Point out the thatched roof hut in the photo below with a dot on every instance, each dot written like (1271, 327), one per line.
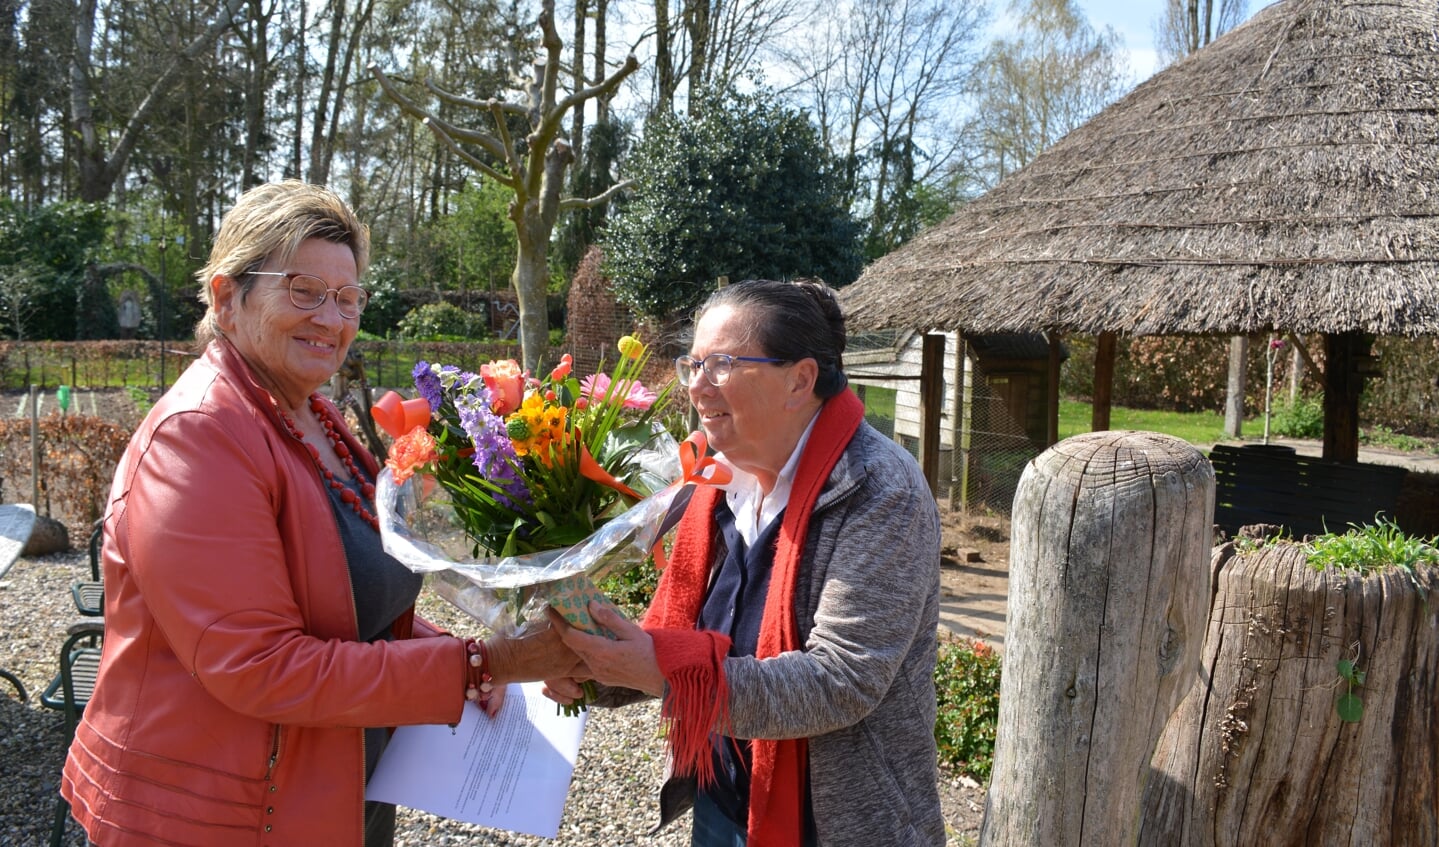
(1286, 177)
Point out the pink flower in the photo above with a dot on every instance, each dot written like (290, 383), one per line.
(562, 370)
(506, 384)
(598, 386)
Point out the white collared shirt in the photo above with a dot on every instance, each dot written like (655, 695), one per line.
(753, 510)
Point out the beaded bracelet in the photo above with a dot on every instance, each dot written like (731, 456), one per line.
(478, 682)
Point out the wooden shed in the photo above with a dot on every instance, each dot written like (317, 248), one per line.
(993, 407)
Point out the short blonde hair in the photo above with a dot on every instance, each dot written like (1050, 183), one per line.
(271, 221)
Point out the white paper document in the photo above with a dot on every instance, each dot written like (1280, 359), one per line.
(510, 772)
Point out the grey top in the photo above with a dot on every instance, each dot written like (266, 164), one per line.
(862, 688)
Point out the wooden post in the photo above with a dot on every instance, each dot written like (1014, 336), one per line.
(959, 429)
(1108, 589)
(1257, 753)
(1234, 394)
(35, 445)
(931, 405)
(1052, 388)
(1105, 345)
(1347, 361)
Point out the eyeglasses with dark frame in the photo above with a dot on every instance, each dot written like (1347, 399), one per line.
(716, 367)
(309, 292)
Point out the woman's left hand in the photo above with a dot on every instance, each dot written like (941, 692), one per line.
(496, 701)
(627, 661)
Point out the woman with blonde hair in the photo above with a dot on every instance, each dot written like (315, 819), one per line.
(258, 640)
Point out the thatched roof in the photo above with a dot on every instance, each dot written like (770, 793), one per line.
(1284, 177)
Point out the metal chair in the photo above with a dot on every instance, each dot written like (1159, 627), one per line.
(90, 594)
(70, 691)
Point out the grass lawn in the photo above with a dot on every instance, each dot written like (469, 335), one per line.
(1202, 429)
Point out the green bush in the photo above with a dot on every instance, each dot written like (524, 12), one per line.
(632, 590)
(1302, 418)
(440, 322)
(966, 682)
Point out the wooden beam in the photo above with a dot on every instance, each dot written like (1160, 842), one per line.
(1105, 345)
(1347, 359)
(959, 429)
(931, 405)
(1052, 388)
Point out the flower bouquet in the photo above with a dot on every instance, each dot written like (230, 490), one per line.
(519, 493)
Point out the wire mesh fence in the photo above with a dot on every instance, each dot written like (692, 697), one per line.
(984, 446)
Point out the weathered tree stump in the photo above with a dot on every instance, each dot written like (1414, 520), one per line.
(47, 536)
(1257, 753)
(1108, 587)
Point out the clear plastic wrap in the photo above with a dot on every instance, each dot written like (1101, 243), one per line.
(418, 527)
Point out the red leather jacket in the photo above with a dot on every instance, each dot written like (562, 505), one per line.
(233, 693)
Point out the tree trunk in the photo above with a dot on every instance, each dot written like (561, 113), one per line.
(664, 60)
(1234, 397)
(1257, 753)
(531, 281)
(1108, 587)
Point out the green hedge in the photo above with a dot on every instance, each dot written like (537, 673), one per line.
(95, 365)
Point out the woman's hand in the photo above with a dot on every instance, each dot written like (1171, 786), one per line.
(565, 691)
(496, 702)
(627, 661)
(536, 655)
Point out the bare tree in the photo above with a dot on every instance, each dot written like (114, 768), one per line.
(885, 81)
(1187, 25)
(703, 43)
(348, 21)
(532, 167)
(98, 168)
(1055, 74)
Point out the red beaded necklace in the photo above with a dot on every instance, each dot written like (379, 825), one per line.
(342, 450)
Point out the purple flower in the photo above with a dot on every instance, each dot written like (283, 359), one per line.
(495, 457)
(427, 382)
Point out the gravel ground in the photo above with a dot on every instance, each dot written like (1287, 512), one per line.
(610, 804)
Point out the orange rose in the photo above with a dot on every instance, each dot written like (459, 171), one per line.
(506, 384)
(410, 452)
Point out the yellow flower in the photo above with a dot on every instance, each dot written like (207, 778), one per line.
(631, 347)
(534, 426)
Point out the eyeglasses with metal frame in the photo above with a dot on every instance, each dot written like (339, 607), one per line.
(309, 292)
(716, 367)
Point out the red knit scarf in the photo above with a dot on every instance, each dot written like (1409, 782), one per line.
(692, 661)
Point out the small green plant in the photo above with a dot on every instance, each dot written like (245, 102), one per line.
(633, 589)
(1254, 543)
(1301, 418)
(1383, 436)
(966, 682)
(140, 397)
(1371, 547)
(1349, 706)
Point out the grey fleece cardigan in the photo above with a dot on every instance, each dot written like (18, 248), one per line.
(862, 688)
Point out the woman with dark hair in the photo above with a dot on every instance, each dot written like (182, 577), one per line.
(793, 635)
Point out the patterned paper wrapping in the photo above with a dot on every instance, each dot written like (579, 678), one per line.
(571, 597)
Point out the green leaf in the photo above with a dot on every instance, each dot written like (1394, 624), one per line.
(1350, 708)
(1346, 669)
